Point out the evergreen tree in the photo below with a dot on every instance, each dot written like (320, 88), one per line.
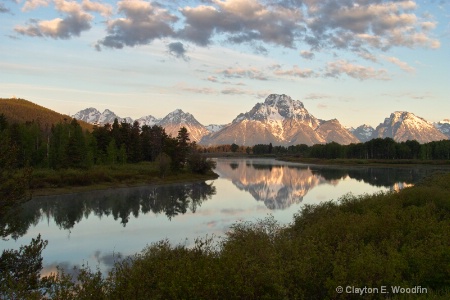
(123, 154)
(158, 141)
(112, 152)
(58, 146)
(182, 148)
(135, 150)
(76, 147)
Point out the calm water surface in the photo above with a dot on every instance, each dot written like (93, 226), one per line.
(95, 228)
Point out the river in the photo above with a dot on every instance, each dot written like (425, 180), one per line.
(98, 227)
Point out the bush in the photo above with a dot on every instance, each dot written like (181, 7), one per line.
(200, 164)
(163, 161)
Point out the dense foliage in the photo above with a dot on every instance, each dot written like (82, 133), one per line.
(66, 145)
(33, 157)
(377, 148)
(386, 239)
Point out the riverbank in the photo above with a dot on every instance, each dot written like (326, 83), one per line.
(66, 181)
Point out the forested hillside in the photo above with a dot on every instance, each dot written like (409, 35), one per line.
(22, 111)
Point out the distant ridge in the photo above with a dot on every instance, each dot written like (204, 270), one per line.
(280, 120)
(21, 111)
(402, 126)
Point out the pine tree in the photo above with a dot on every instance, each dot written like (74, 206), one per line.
(182, 148)
(76, 147)
(135, 151)
(112, 152)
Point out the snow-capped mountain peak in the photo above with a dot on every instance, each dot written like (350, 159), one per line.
(279, 120)
(148, 120)
(89, 115)
(214, 127)
(443, 126)
(363, 132)
(403, 126)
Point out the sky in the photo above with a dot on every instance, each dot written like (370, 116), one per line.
(354, 60)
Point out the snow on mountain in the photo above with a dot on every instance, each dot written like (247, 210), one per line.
(443, 126)
(279, 120)
(333, 131)
(275, 186)
(403, 126)
(214, 127)
(107, 117)
(89, 115)
(148, 120)
(171, 123)
(363, 133)
(177, 119)
(93, 116)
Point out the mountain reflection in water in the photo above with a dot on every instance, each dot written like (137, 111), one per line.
(67, 210)
(280, 184)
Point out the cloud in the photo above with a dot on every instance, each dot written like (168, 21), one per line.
(337, 68)
(4, 9)
(307, 54)
(236, 91)
(316, 96)
(240, 21)
(212, 79)
(296, 72)
(410, 95)
(143, 23)
(103, 9)
(356, 25)
(359, 26)
(196, 90)
(401, 64)
(33, 4)
(178, 50)
(238, 72)
(215, 79)
(73, 24)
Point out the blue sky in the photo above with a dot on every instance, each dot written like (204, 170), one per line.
(354, 60)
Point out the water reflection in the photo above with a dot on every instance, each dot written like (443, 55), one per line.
(106, 260)
(68, 210)
(280, 184)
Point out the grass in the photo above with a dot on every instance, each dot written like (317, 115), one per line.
(48, 181)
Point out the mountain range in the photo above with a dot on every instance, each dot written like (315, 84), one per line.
(280, 120)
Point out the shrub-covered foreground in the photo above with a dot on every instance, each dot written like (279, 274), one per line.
(373, 241)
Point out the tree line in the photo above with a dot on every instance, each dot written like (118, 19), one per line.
(67, 145)
(377, 148)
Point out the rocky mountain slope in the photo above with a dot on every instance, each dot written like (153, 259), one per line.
(444, 127)
(403, 126)
(93, 116)
(280, 120)
(177, 119)
(363, 133)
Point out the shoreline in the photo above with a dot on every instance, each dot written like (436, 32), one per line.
(367, 162)
(55, 191)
